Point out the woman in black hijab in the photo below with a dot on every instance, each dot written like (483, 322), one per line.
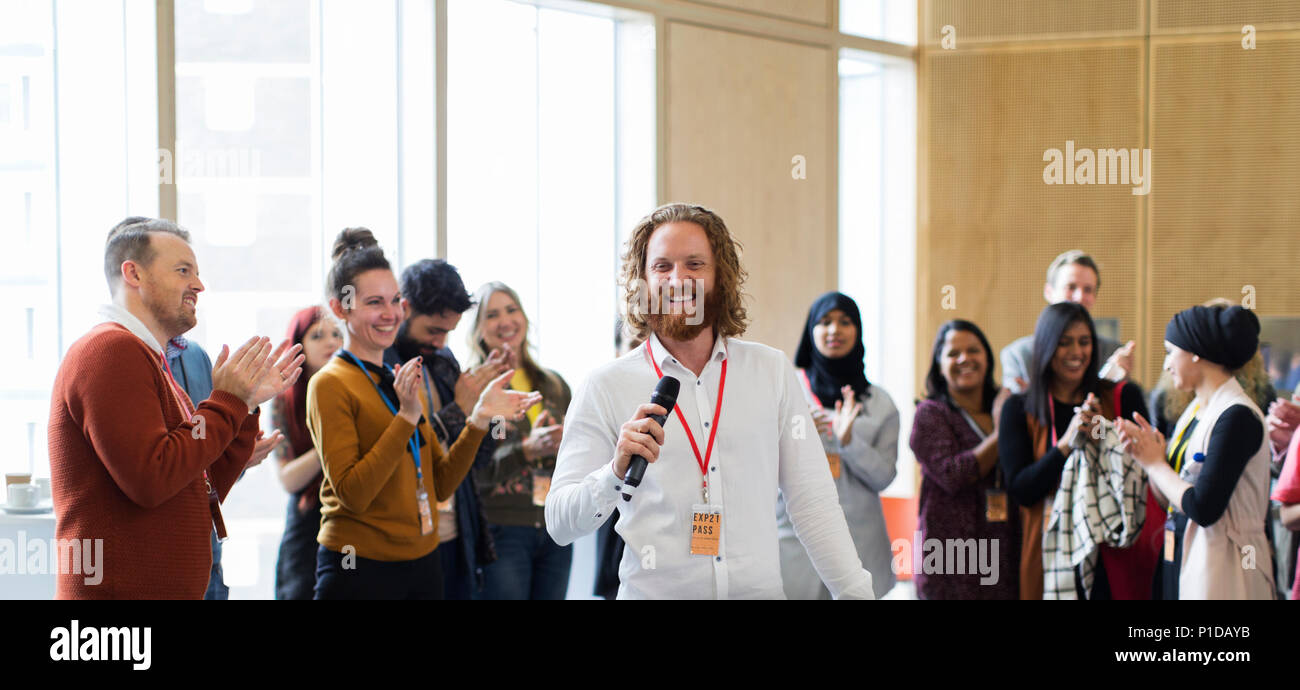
(858, 424)
(828, 375)
(1213, 472)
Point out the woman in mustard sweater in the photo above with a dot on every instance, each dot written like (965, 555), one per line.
(383, 468)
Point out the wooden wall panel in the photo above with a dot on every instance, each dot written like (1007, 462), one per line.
(1224, 211)
(816, 12)
(739, 108)
(1181, 15)
(993, 224)
(1219, 119)
(982, 20)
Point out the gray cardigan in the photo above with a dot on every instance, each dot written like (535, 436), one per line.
(868, 464)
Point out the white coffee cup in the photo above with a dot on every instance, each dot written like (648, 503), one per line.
(43, 485)
(23, 495)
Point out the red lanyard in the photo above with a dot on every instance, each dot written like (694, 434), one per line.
(807, 385)
(717, 412)
(176, 388)
(214, 500)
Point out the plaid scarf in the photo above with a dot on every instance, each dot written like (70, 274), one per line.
(1102, 500)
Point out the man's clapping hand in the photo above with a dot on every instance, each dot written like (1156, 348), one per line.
(254, 373)
(263, 447)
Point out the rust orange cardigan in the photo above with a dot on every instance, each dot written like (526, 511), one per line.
(127, 467)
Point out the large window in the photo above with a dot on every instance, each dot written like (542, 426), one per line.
(550, 160)
(78, 136)
(885, 20)
(295, 119)
(877, 257)
(290, 127)
(248, 180)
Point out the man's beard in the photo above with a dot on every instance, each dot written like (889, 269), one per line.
(677, 326)
(409, 348)
(174, 321)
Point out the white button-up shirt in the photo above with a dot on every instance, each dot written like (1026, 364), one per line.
(766, 440)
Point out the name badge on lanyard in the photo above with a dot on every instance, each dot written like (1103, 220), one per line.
(541, 487)
(413, 443)
(995, 499)
(706, 529)
(995, 505)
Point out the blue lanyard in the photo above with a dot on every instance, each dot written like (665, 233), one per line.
(412, 443)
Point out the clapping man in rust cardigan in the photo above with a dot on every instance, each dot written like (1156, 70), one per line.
(133, 461)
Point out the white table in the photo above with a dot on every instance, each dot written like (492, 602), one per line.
(17, 532)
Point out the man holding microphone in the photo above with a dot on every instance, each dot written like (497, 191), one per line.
(702, 523)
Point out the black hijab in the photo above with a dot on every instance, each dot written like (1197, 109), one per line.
(1228, 337)
(827, 376)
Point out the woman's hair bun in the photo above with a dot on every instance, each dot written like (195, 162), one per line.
(355, 251)
(351, 239)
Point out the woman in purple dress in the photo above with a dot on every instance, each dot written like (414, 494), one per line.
(970, 536)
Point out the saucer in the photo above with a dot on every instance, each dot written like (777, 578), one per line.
(39, 508)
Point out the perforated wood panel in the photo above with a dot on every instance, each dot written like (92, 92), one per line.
(739, 109)
(1224, 207)
(1223, 211)
(808, 11)
(1217, 14)
(985, 20)
(993, 224)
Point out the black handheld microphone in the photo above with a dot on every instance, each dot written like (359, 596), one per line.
(665, 396)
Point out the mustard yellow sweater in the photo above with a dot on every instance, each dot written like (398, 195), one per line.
(368, 491)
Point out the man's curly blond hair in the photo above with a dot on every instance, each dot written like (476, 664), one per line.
(729, 276)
